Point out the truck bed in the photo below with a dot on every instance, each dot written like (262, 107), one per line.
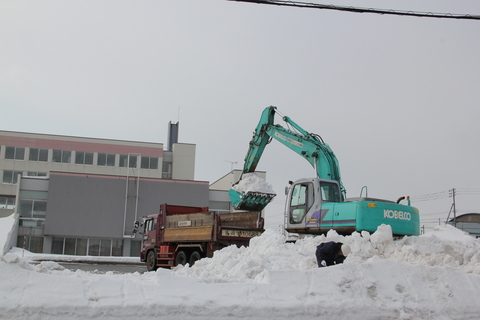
(189, 227)
(200, 226)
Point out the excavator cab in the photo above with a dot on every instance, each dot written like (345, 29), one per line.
(310, 204)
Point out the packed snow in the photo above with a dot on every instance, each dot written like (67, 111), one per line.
(432, 276)
(253, 182)
(6, 233)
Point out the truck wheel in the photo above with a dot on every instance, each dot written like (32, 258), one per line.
(151, 261)
(181, 258)
(194, 257)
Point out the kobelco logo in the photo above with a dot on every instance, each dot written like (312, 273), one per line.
(393, 214)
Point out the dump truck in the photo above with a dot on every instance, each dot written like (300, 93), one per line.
(319, 204)
(178, 235)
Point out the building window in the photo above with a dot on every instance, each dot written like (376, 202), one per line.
(135, 248)
(106, 159)
(81, 247)
(15, 153)
(36, 174)
(33, 208)
(167, 170)
(106, 247)
(10, 176)
(30, 243)
(57, 245)
(83, 157)
(7, 202)
(124, 160)
(37, 154)
(62, 156)
(39, 223)
(117, 248)
(84, 246)
(149, 163)
(93, 247)
(70, 244)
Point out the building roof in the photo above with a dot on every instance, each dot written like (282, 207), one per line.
(467, 217)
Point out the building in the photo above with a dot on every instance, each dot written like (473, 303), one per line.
(468, 222)
(81, 196)
(77, 195)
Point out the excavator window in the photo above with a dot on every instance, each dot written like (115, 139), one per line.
(301, 201)
(329, 192)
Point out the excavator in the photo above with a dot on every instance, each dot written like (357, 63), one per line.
(319, 204)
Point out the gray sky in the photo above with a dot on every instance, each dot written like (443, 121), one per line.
(396, 98)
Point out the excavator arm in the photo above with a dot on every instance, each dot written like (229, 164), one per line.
(309, 146)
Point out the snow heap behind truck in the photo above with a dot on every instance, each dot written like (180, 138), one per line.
(182, 234)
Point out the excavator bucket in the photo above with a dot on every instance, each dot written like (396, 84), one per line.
(251, 200)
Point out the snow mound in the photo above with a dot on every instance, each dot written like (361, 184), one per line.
(7, 226)
(252, 182)
(433, 276)
(46, 266)
(450, 248)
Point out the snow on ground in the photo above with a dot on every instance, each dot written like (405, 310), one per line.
(433, 276)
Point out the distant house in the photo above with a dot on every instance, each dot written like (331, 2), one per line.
(468, 222)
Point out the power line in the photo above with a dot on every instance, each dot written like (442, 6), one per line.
(364, 10)
(446, 194)
(430, 196)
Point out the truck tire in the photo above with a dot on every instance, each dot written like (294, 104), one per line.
(194, 257)
(181, 258)
(151, 261)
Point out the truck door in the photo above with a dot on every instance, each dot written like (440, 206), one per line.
(149, 234)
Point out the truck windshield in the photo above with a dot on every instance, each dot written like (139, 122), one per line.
(149, 225)
(329, 191)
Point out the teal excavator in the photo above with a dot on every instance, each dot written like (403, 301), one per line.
(319, 204)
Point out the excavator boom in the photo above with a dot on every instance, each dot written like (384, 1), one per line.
(310, 146)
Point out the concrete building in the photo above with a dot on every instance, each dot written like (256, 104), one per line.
(77, 195)
(80, 196)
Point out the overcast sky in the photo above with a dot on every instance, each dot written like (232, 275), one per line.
(396, 98)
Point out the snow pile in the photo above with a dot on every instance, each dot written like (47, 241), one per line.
(433, 276)
(7, 225)
(32, 257)
(445, 247)
(253, 182)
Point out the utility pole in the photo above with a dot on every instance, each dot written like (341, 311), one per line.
(453, 207)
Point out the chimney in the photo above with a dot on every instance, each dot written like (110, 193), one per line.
(172, 134)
